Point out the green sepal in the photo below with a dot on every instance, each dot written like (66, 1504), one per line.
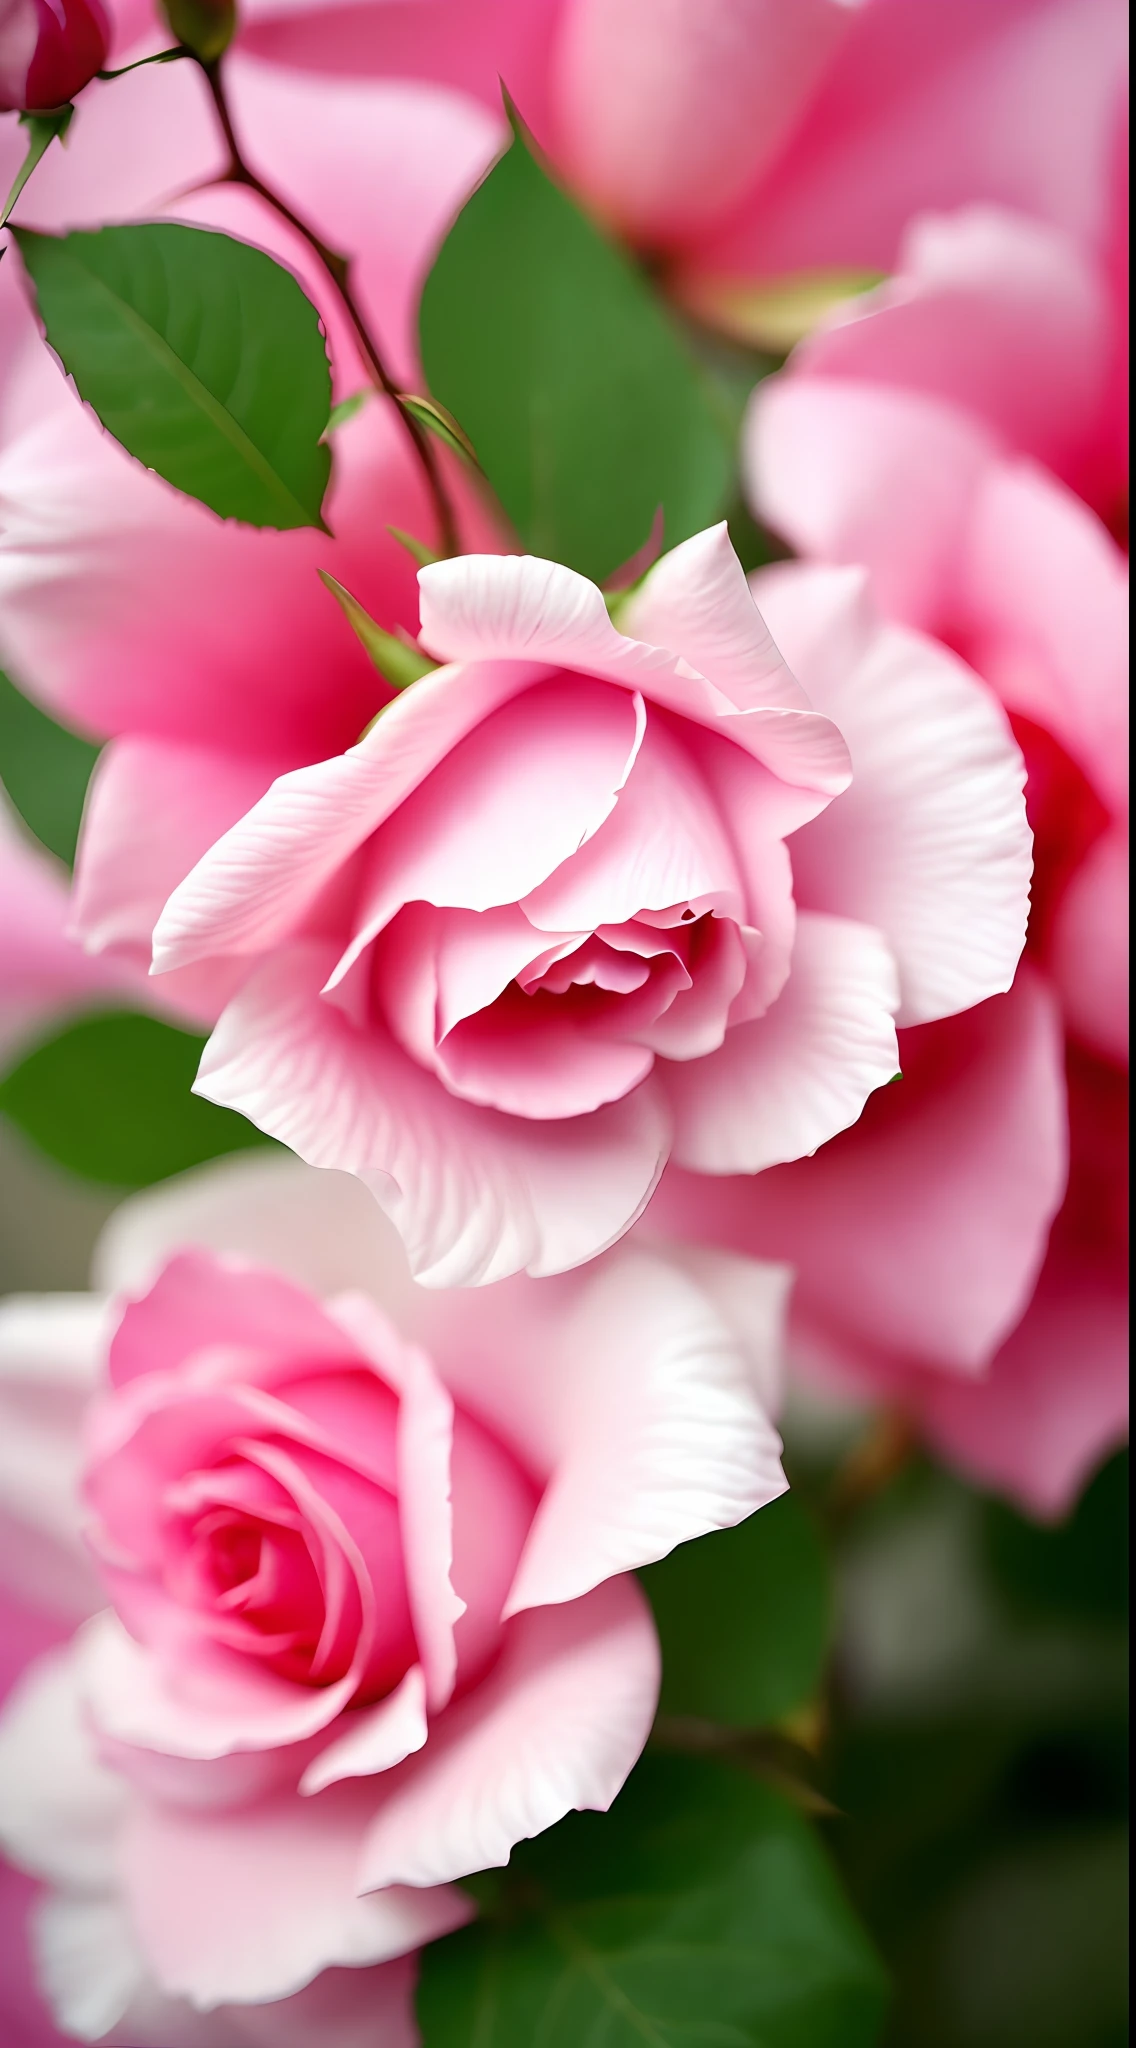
(399, 662)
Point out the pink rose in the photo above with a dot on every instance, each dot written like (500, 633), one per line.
(49, 50)
(985, 1293)
(570, 908)
(368, 1549)
(758, 143)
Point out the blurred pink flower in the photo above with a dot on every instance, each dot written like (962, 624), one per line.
(755, 141)
(954, 431)
(369, 1552)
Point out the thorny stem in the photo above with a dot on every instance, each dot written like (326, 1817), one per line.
(338, 268)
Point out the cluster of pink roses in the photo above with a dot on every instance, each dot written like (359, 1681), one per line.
(614, 926)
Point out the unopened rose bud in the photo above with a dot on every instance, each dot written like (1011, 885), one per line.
(206, 27)
(49, 50)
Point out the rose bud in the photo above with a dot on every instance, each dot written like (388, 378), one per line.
(206, 27)
(49, 50)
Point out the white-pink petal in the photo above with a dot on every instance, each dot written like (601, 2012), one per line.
(475, 1194)
(782, 1085)
(930, 844)
(556, 1725)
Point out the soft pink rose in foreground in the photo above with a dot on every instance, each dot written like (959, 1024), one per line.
(767, 143)
(947, 432)
(576, 904)
(368, 1552)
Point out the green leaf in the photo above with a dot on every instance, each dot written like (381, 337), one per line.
(109, 1098)
(434, 419)
(201, 355)
(1077, 1568)
(399, 662)
(45, 770)
(582, 401)
(700, 1913)
(743, 1617)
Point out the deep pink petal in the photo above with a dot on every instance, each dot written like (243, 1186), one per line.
(919, 1233)
(1055, 1400)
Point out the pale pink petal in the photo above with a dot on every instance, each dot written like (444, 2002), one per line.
(52, 1358)
(212, 1704)
(557, 1724)
(353, 2008)
(696, 600)
(1088, 950)
(425, 1440)
(930, 843)
(322, 1228)
(518, 608)
(1043, 602)
(506, 806)
(918, 1235)
(198, 1301)
(849, 472)
(475, 1194)
(663, 844)
(261, 877)
(934, 107)
(374, 1739)
(190, 1877)
(88, 1965)
(153, 808)
(1055, 1400)
(60, 1807)
(661, 1436)
(786, 1083)
(989, 311)
(668, 110)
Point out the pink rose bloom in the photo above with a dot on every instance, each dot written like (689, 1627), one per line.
(948, 432)
(569, 907)
(616, 989)
(368, 1552)
(759, 143)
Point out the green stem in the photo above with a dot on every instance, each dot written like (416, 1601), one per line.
(159, 57)
(42, 130)
(338, 268)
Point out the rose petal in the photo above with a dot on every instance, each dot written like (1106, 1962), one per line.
(475, 1194)
(557, 1724)
(930, 844)
(781, 1086)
